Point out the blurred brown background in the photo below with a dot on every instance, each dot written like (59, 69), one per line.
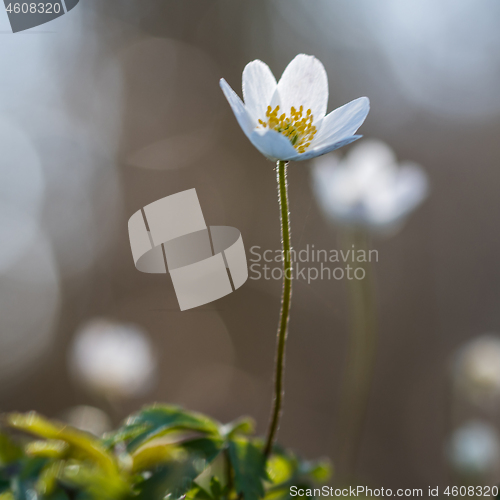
(117, 104)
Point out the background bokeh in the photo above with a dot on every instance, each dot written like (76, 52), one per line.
(117, 104)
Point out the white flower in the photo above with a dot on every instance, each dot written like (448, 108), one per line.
(474, 448)
(286, 120)
(113, 359)
(368, 188)
(476, 369)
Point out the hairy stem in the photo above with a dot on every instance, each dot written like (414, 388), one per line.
(285, 307)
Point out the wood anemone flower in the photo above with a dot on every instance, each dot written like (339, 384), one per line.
(287, 121)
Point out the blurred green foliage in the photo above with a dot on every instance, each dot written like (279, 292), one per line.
(160, 452)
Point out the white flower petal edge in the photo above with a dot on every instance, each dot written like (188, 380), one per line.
(342, 123)
(245, 120)
(313, 153)
(259, 86)
(304, 82)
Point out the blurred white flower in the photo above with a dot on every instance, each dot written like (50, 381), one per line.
(474, 449)
(113, 359)
(286, 120)
(368, 188)
(476, 369)
(88, 419)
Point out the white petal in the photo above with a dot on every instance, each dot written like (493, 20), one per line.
(372, 154)
(244, 119)
(272, 144)
(392, 203)
(342, 122)
(304, 82)
(326, 178)
(412, 186)
(318, 151)
(275, 100)
(259, 86)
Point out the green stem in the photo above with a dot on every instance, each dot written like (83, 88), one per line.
(229, 472)
(285, 307)
(362, 353)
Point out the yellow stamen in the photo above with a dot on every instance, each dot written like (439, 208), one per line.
(297, 128)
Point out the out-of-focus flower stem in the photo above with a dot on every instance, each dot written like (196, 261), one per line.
(229, 472)
(362, 352)
(281, 169)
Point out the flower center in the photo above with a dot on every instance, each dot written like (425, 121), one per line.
(298, 128)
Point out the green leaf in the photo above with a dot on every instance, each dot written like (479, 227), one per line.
(161, 451)
(57, 495)
(4, 486)
(81, 441)
(123, 434)
(216, 488)
(47, 480)
(286, 470)
(152, 455)
(249, 468)
(206, 448)
(202, 452)
(9, 451)
(319, 471)
(177, 477)
(5, 480)
(32, 468)
(93, 481)
(281, 468)
(241, 426)
(158, 420)
(158, 484)
(23, 483)
(172, 480)
(198, 493)
(49, 449)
